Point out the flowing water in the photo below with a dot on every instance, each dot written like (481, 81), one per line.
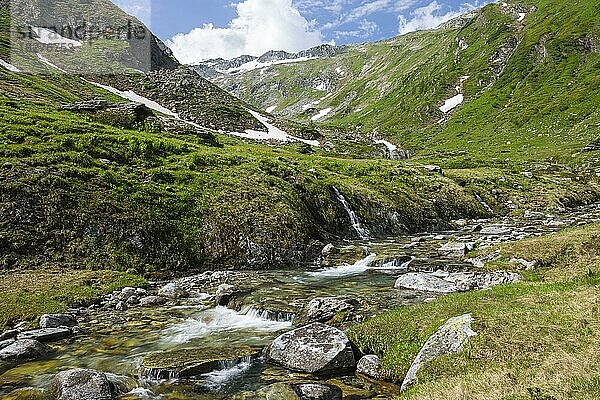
(116, 342)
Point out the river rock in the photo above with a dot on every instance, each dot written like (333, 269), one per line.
(495, 231)
(425, 282)
(173, 291)
(152, 301)
(466, 281)
(6, 343)
(82, 384)
(315, 349)
(451, 338)
(370, 365)
(324, 309)
(329, 250)
(10, 334)
(455, 249)
(46, 334)
(191, 362)
(229, 296)
(317, 391)
(57, 320)
(24, 350)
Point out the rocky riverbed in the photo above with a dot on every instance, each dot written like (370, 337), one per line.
(276, 334)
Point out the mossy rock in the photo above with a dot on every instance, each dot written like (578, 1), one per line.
(192, 362)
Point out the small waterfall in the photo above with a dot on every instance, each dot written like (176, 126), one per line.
(357, 268)
(158, 374)
(362, 232)
(269, 315)
(483, 203)
(227, 372)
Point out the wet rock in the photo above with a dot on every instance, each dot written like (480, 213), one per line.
(495, 231)
(6, 343)
(57, 320)
(10, 334)
(370, 366)
(28, 393)
(152, 301)
(173, 291)
(451, 338)
(46, 334)
(229, 296)
(324, 310)
(192, 362)
(424, 282)
(329, 250)
(455, 249)
(82, 384)
(347, 255)
(317, 391)
(315, 349)
(24, 350)
(121, 306)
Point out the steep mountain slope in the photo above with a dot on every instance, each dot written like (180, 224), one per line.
(513, 80)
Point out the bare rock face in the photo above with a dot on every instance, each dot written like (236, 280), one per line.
(24, 350)
(314, 349)
(451, 338)
(82, 384)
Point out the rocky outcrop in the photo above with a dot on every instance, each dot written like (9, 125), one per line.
(24, 350)
(455, 249)
(152, 301)
(173, 291)
(445, 282)
(57, 320)
(314, 349)
(82, 384)
(451, 338)
(370, 366)
(325, 309)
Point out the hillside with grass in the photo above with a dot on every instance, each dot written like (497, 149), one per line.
(525, 71)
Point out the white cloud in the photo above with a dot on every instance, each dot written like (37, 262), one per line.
(260, 26)
(428, 17)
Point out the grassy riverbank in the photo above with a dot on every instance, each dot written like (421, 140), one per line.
(28, 294)
(536, 340)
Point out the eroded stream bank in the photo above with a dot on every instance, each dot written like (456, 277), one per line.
(142, 346)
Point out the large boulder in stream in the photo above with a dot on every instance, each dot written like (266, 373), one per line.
(192, 362)
(325, 309)
(451, 338)
(314, 349)
(24, 350)
(82, 384)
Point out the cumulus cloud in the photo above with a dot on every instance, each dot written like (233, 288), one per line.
(260, 26)
(428, 17)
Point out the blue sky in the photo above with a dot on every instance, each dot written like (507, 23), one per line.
(202, 29)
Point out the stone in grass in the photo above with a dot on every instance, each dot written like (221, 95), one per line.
(425, 282)
(370, 366)
(314, 349)
(192, 362)
(451, 338)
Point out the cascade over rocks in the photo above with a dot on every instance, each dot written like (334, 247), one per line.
(314, 349)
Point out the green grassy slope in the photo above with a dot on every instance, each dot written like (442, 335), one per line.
(531, 92)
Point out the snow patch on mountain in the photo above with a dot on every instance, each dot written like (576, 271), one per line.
(47, 62)
(273, 133)
(9, 66)
(47, 36)
(452, 103)
(322, 114)
(252, 65)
